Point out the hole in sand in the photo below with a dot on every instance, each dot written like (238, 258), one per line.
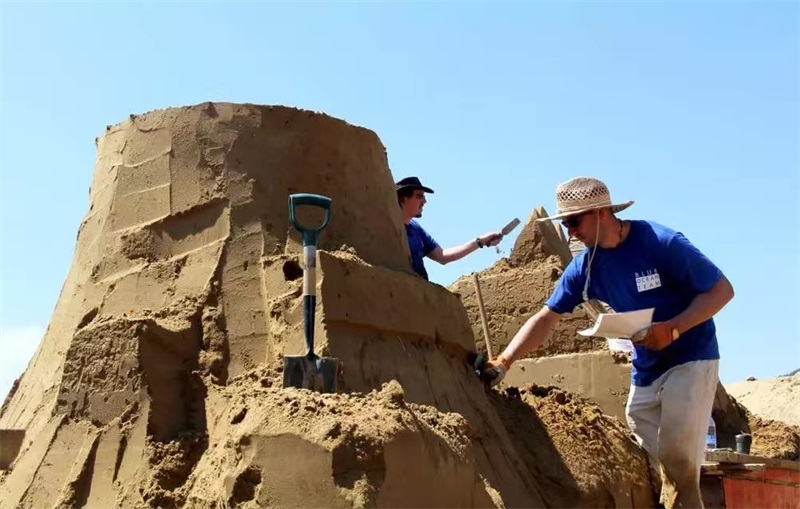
(292, 270)
(169, 360)
(239, 417)
(244, 488)
(87, 318)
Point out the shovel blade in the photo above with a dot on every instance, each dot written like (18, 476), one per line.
(316, 374)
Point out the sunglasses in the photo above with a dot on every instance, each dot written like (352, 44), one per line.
(573, 221)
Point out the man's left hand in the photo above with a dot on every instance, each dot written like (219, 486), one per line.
(659, 335)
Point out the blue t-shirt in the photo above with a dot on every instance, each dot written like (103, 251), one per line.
(421, 244)
(654, 267)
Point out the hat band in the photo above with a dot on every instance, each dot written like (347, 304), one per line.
(580, 207)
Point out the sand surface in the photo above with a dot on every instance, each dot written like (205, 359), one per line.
(776, 399)
(158, 382)
(773, 411)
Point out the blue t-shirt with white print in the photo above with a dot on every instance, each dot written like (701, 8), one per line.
(654, 267)
(421, 244)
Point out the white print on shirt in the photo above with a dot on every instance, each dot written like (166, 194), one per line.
(647, 280)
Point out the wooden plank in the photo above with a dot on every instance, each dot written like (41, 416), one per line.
(729, 456)
(716, 468)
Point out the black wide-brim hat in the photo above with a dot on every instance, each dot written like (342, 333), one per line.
(411, 183)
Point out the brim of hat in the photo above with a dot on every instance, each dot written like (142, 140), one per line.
(614, 208)
(426, 189)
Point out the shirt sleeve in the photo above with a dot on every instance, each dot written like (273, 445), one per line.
(569, 291)
(428, 243)
(689, 266)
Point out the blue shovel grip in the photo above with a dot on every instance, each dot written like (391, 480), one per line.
(316, 200)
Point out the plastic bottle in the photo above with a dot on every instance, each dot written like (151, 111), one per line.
(711, 436)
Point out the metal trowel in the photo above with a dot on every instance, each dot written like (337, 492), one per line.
(310, 371)
(510, 226)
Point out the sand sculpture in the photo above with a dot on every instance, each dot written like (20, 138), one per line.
(158, 381)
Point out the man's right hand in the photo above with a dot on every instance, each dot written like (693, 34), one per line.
(491, 239)
(492, 372)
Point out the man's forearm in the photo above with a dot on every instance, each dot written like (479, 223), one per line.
(530, 335)
(452, 254)
(704, 306)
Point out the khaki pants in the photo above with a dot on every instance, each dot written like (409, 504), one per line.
(670, 420)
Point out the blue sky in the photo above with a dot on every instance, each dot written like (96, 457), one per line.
(690, 108)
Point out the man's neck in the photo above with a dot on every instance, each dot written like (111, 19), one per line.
(615, 234)
(408, 219)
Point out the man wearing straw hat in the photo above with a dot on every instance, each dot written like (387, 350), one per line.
(632, 265)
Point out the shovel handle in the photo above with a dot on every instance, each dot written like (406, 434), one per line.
(309, 234)
(310, 257)
(483, 315)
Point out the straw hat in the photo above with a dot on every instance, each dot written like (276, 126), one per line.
(580, 195)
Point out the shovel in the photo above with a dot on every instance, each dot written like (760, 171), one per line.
(310, 371)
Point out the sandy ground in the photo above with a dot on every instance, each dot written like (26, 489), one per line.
(773, 408)
(776, 399)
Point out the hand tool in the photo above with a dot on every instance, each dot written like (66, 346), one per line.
(509, 227)
(482, 311)
(310, 371)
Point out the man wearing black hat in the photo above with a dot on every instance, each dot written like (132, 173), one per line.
(411, 197)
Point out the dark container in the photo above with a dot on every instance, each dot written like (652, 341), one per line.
(743, 443)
